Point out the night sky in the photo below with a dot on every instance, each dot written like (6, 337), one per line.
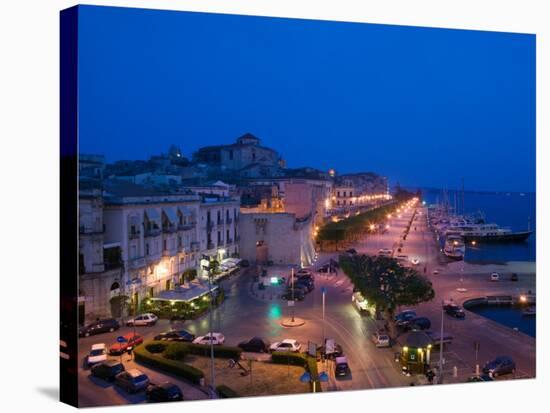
(424, 107)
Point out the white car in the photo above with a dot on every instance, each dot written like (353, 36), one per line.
(495, 276)
(97, 354)
(147, 319)
(415, 261)
(385, 252)
(381, 339)
(287, 344)
(217, 338)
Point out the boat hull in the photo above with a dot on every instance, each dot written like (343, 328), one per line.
(511, 237)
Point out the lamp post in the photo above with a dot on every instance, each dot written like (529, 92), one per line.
(440, 378)
(292, 287)
(210, 322)
(324, 290)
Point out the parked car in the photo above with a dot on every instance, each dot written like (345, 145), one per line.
(132, 340)
(481, 377)
(381, 339)
(216, 338)
(107, 370)
(99, 326)
(175, 335)
(330, 350)
(255, 345)
(341, 368)
(405, 315)
(417, 323)
(514, 277)
(97, 354)
(385, 252)
(132, 380)
(164, 392)
(304, 284)
(298, 295)
(287, 344)
(351, 251)
(147, 319)
(500, 366)
(303, 271)
(244, 263)
(454, 310)
(495, 276)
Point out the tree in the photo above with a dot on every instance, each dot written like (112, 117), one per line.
(386, 284)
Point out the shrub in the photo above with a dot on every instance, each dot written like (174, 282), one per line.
(226, 392)
(171, 366)
(176, 351)
(156, 347)
(228, 352)
(287, 357)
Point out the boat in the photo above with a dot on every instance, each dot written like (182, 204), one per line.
(529, 312)
(454, 247)
(488, 233)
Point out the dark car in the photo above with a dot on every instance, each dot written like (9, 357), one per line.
(351, 251)
(404, 316)
(341, 367)
(454, 311)
(514, 277)
(482, 377)
(500, 366)
(417, 323)
(107, 370)
(244, 263)
(132, 380)
(99, 326)
(175, 335)
(327, 268)
(308, 286)
(255, 345)
(298, 295)
(164, 392)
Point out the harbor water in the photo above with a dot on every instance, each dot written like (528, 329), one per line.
(514, 210)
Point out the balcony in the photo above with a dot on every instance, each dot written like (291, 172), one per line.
(228, 221)
(210, 246)
(209, 225)
(186, 227)
(135, 263)
(155, 232)
(83, 230)
(134, 235)
(169, 252)
(229, 241)
(195, 246)
(169, 229)
(153, 257)
(220, 221)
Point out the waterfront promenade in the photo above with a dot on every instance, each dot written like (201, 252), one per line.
(460, 282)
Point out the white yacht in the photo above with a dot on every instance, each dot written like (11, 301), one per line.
(454, 247)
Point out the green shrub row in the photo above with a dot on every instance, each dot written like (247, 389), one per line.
(226, 392)
(178, 350)
(176, 367)
(287, 357)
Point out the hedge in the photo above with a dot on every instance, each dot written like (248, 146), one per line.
(312, 368)
(171, 366)
(178, 350)
(228, 352)
(226, 392)
(287, 357)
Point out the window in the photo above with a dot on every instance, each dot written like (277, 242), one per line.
(147, 248)
(164, 246)
(219, 237)
(338, 194)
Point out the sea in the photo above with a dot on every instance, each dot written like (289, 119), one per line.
(507, 209)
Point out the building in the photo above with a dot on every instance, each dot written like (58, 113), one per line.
(100, 264)
(157, 235)
(277, 237)
(244, 158)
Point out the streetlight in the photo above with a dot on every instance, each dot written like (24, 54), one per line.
(440, 378)
(205, 262)
(324, 290)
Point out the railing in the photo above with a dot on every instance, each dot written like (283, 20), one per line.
(134, 235)
(89, 231)
(134, 263)
(169, 230)
(152, 232)
(186, 227)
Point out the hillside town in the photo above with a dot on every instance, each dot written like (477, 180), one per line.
(146, 225)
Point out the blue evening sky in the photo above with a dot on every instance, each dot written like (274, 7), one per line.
(424, 107)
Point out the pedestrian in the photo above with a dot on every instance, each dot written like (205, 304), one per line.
(430, 376)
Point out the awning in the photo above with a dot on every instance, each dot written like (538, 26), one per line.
(153, 214)
(171, 214)
(185, 212)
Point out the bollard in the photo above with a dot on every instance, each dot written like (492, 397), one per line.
(455, 371)
(477, 369)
